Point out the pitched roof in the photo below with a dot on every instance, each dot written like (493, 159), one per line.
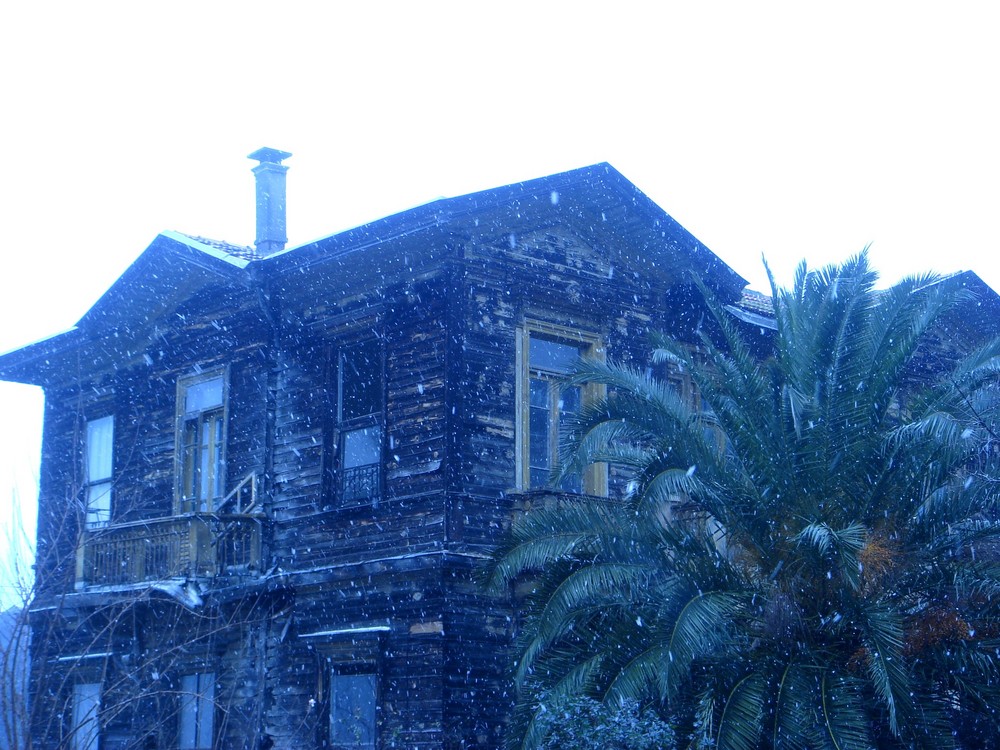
(596, 201)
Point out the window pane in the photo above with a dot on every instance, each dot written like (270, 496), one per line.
(550, 407)
(361, 464)
(205, 465)
(352, 711)
(550, 356)
(539, 421)
(189, 458)
(188, 712)
(362, 447)
(539, 477)
(86, 704)
(360, 381)
(98, 504)
(539, 393)
(210, 459)
(569, 405)
(196, 711)
(203, 395)
(569, 402)
(216, 491)
(100, 448)
(206, 710)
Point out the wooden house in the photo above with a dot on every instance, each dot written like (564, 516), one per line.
(271, 476)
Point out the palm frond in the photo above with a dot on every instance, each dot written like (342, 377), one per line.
(795, 717)
(742, 719)
(804, 555)
(845, 718)
(886, 665)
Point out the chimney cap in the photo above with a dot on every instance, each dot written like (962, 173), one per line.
(269, 155)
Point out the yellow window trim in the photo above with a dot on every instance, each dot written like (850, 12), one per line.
(595, 479)
(183, 384)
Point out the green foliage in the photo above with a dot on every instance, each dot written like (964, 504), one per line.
(585, 724)
(806, 556)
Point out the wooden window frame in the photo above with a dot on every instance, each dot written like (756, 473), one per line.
(91, 482)
(356, 424)
(595, 478)
(195, 503)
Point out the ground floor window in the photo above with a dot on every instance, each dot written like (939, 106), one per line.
(86, 705)
(352, 711)
(196, 713)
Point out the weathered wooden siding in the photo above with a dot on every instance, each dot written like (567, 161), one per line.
(138, 649)
(401, 571)
(546, 275)
(313, 526)
(385, 616)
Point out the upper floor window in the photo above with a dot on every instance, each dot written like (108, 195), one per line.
(546, 354)
(201, 433)
(86, 706)
(353, 715)
(196, 714)
(98, 467)
(359, 415)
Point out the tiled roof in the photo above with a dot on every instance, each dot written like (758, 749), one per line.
(246, 252)
(756, 302)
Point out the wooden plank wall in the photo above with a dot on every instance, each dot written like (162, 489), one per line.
(410, 562)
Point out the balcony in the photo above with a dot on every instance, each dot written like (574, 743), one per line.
(192, 546)
(188, 546)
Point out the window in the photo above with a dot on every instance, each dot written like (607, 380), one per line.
(98, 464)
(546, 354)
(352, 711)
(359, 414)
(201, 428)
(196, 713)
(86, 705)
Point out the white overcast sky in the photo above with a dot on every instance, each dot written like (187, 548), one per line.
(787, 130)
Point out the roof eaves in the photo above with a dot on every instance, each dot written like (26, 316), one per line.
(753, 318)
(39, 342)
(26, 364)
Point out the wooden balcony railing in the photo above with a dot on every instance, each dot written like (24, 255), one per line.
(190, 546)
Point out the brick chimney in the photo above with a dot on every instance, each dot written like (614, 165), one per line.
(270, 174)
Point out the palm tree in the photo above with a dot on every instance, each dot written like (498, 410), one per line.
(803, 559)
